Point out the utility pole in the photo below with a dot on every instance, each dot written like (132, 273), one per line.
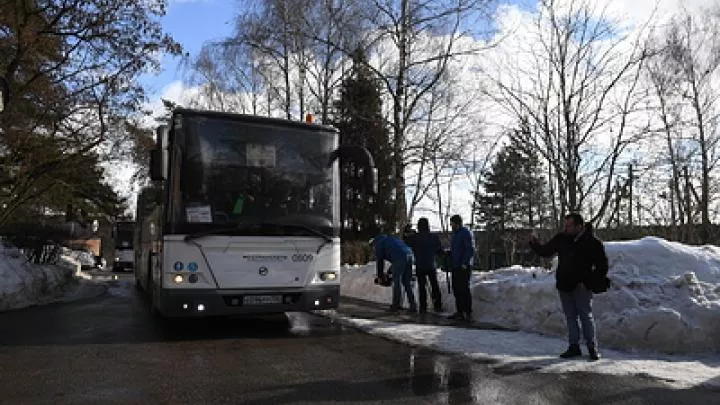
(688, 202)
(673, 215)
(618, 197)
(630, 195)
(4, 93)
(399, 114)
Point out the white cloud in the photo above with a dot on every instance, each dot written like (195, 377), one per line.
(176, 92)
(640, 11)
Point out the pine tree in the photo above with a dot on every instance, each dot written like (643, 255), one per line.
(515, 192)
(359, 118)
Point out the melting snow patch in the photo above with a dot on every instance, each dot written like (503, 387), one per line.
(520, 351)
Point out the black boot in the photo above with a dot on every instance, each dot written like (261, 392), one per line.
(594, 354)
(572, 351)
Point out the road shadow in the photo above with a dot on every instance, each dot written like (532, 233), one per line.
(122, 315)
(377, 311)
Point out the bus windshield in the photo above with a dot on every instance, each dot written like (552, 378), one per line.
(231, 172)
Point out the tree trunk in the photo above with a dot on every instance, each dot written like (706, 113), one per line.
(705, 164)
(399, 120)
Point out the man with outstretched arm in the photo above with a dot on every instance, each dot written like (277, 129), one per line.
(581, 262)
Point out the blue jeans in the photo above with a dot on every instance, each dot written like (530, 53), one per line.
(402, 275)
(578, 304)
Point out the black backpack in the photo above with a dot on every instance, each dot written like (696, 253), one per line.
(599, 283)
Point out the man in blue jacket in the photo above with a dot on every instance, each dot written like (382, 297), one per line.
(400, 256)
(462, 252)
(426, 246)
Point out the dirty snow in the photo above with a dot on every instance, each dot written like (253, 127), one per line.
(522, 351)
(23, 284)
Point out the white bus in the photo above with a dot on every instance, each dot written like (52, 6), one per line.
(243, 215)
(123, 255)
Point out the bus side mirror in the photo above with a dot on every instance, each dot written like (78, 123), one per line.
(161, 137)
(4, 93)
(373, 181)
(157, 198)
(156, 165)
(361, 156)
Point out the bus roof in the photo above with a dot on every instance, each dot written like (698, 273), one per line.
(255, 119)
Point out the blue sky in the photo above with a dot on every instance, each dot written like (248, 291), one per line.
(192, 23)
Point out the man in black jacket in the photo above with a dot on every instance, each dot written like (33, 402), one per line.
(426, 246)
(581, 263)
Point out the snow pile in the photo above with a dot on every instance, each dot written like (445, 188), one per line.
(23, 284)
(83, 258)
(665, 297)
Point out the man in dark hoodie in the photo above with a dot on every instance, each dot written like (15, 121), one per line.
(462, 253)
(426, 246)
(581, 262)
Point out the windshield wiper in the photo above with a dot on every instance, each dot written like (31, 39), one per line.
(242, 226)
(219, 231)
(326, 239)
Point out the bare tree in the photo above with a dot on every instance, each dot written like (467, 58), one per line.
(693, 58)
(268, 34)
(578, 85)
(327, 27)
(670, 109)
(446, 125)
(284, 55)
(412, 43)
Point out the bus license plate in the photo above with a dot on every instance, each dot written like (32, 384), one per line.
(262, 299)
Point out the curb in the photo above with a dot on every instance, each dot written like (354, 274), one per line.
(429, 318)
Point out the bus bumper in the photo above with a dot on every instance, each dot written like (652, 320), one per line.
(122, 266)
(200, 303)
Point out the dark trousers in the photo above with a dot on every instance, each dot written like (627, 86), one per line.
(578, 305)
(461, 290)
(424, 277)
(402, 278)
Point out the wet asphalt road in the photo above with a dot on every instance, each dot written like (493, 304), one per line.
(108, 350)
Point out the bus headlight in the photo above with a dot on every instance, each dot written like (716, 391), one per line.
(328, 276)
(178, 279)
